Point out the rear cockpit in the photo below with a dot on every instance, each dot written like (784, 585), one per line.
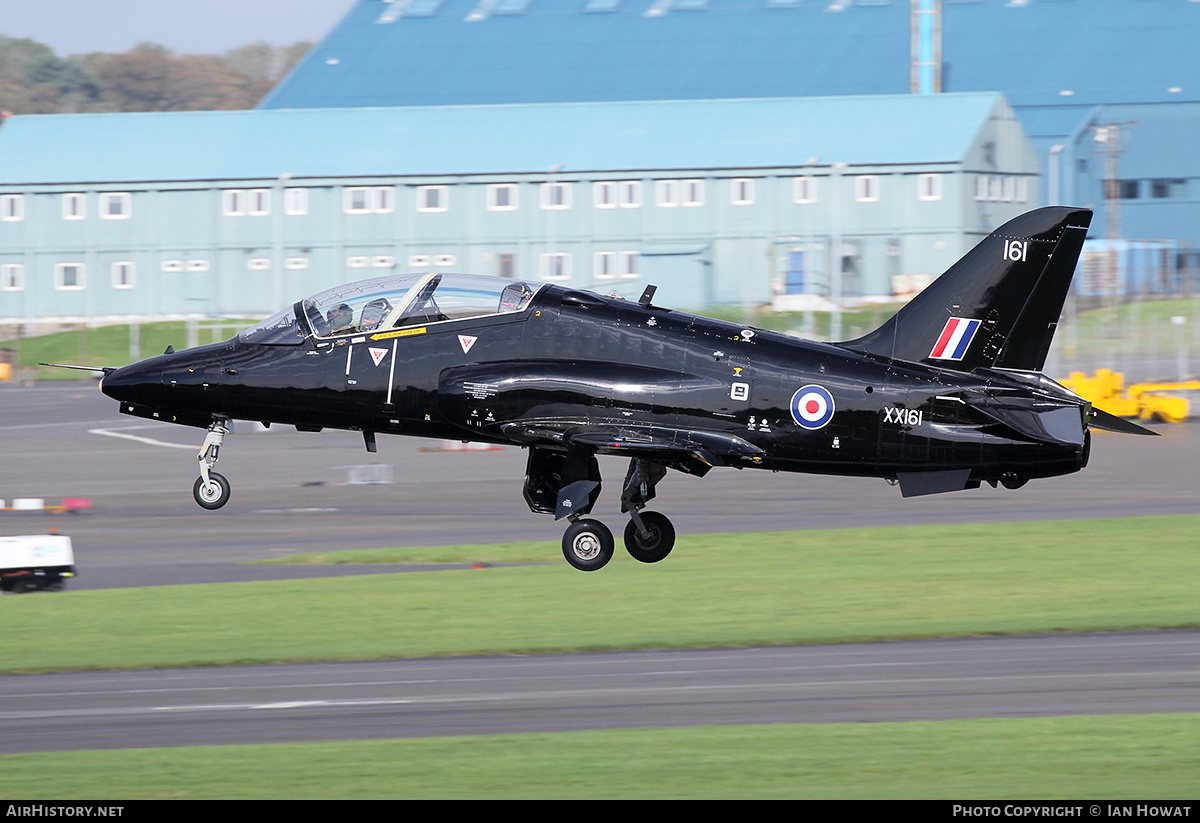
(393, 302)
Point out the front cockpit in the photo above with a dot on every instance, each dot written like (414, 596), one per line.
(393, 302)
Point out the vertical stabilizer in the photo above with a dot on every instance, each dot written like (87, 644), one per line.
(998, 306)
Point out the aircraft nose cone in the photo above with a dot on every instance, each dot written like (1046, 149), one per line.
(135, 383)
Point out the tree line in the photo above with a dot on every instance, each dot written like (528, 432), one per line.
(148, 77)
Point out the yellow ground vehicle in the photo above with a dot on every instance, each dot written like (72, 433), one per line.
(1145, 401)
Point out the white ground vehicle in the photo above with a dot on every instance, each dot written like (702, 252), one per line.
(35, 561)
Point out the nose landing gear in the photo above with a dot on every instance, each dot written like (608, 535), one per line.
(211, 489)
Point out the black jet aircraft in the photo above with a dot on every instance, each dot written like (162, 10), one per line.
(946, 395)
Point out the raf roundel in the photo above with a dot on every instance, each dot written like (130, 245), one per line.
(812, 407)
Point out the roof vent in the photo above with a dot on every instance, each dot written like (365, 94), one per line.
(395, 9)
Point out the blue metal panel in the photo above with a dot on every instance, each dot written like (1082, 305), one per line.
(348, 143)
(555, 51)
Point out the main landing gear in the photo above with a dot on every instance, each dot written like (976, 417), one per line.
(588, 544)
(649, 536)
(211, 489)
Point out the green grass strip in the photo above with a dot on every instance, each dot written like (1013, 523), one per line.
(1066, 758)
(717, 590)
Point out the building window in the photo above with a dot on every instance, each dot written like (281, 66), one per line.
(197, 265)
(630, 264)
(74, 206)
(445, 260)
(556, 196)
(123, 275)
(502, 197)
(12, 277)
(296, 263)
(419, 261)
(1161, 189)
(804, 189)
(259, 202)
(556, 266)
(69, 277)
(506, 265)
(631, 194)
(604, 194)
(171, 266)
(383, 261)
(233, 202)
(432, 198)
(357, 261)
(693, 193)
(259, 264)
(383, 199)
(356, 200)
(606, 265)
(1008, 192)
(929, 187)
(295, 201)
(12, 208)
(742, 192)
(866, 188)
(115, 205)
(372, 200)
(666, 193)
(999, 188)
(981, 187)
(1129, 189)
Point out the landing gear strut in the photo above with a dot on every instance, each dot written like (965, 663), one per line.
(566, 484)
(649, 536)
(211, 489)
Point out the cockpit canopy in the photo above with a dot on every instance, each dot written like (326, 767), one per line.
(392, 302)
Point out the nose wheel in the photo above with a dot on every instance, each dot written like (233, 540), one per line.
(211, 489)
(213, 493)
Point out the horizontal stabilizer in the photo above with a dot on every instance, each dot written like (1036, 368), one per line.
(1059, 424)
(1110, 422)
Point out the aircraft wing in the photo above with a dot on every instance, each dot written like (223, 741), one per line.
(689, 450)
(554, 403)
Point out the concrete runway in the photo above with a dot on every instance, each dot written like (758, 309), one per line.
(289, 494)
(1035, 676)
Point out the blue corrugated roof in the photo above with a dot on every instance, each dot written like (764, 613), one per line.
(1100, 51)
(447, 140)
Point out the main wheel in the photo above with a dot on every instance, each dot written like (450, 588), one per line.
(588, 545)
(214, 494)
(657, 545)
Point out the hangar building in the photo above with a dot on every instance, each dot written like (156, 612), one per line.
(730, 151)
(1065, 66)
(734, 201)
